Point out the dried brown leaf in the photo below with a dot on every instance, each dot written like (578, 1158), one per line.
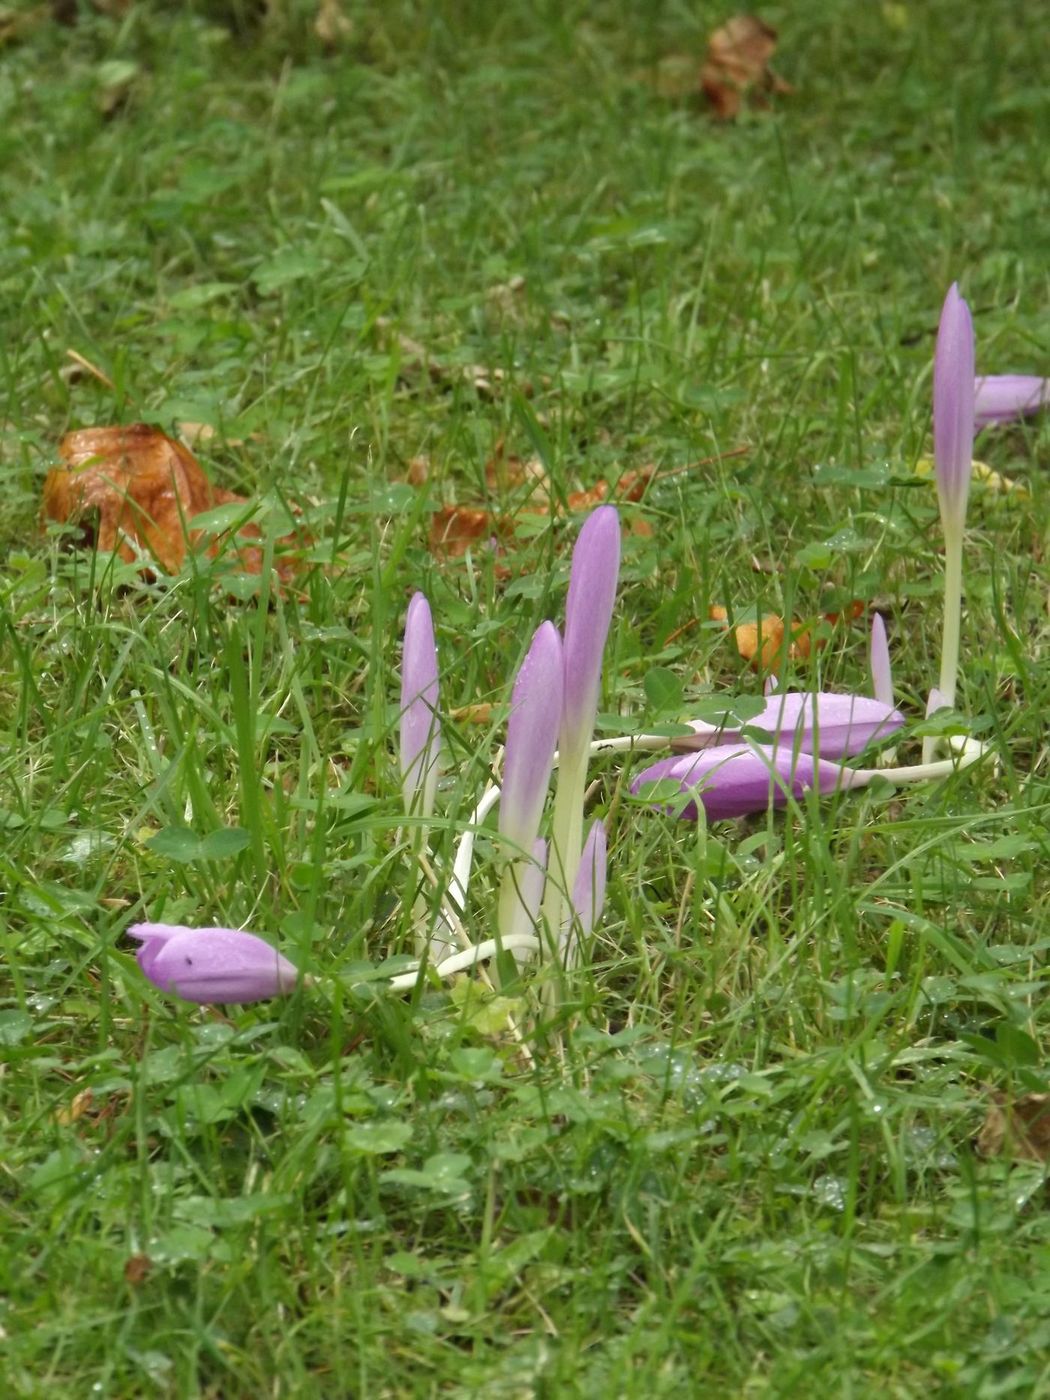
(137, 1269)
(737, 64)
(145, 489)
(75, 1110)
(473, 714)
(1018, 1128)
(332, 26)
(455, 529)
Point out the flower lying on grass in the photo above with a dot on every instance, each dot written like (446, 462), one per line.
(1000, 398)
(735, 780)
(831, 726)
(212, 964)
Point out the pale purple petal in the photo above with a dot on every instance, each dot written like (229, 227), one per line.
(833, 726)
(420, 731)
(588, 612)
(153, 938)
(212, 964)
(532, 736)
(953, 407)
(999, 398)
(881, 671)
(588, 891)
(734, 780)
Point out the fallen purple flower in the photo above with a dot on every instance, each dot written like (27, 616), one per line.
(212, 964)
(832, 726)
(999, 398)
(735, 780)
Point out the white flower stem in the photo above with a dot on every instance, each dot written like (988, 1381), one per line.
(468, 958)
(566, 839)
(953, 586)
(969, 752)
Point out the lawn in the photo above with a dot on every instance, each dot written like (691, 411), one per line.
(741, 1156)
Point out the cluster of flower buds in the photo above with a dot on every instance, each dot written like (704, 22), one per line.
(553, 885)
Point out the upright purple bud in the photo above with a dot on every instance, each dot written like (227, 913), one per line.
(532, 736)
(588, 612)
(212, 964)
(881, 671)
(734, 780)
(420, 730)
(953, 408)
(588, 891)
(999, 398)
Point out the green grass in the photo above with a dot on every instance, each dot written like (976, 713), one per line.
(746, 1164)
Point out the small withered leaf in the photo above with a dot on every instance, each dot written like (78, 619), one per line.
(737, 64)
(145, 489)
(1018, 1128)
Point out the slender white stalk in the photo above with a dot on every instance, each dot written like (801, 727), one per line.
(969, 752)
(456, 894)
(468, 958)
(953, 574)
(566, 839)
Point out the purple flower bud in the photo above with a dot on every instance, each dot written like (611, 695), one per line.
(881, 671)
(420, 731)
(588, 612)
(733, 780)
(212, 964)
(998, 398)
(833, 726)
(532, 735)
(588, 891)
(953, 408)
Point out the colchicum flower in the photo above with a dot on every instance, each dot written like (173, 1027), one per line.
(953, 424)
(420, 730)
(733, 780)
(999, 398)
(212, 964)
(588, 614)
(588, 892)
(532, 733)
(831, 726)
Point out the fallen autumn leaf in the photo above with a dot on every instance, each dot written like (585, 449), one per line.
(145, 489)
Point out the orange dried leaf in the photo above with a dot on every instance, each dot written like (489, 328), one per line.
(137, 1269)
(587, 500)
(145, 489)
(455, 529)
(1019, 1128)
(737, 63)
(75, 1110)
(505, 473)
(473, 714)
(418, 471)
